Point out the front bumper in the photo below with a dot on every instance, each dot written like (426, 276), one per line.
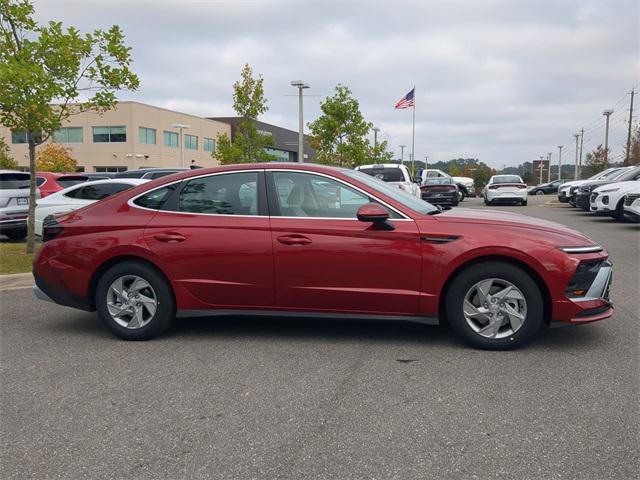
(582, 200)
(13, 222)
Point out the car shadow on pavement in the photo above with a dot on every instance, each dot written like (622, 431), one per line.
(570, 339)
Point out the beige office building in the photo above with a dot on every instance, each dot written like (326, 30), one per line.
(132, 135)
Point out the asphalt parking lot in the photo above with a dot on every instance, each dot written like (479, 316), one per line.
(297, 399)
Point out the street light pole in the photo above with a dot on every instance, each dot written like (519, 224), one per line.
(402, 147)
(181, 127)
(541, 167)
(606, 113)
(549, 172)
(560, 162)
(575, 173)
(375, 142)
(300, 85)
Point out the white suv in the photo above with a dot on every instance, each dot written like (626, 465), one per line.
(393, 173)
(632, 205)
(608, 199)
(14, 203)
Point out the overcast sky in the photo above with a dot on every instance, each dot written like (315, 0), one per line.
(504, 82)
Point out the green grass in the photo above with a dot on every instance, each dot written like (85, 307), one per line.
(13, 258)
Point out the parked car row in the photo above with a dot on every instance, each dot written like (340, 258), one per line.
(611, 192)
(61, 193)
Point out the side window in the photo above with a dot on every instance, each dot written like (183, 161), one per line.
(40, 181)
(104, 190)
(308, 195)
(155, 198)
(73, 193)
(226, 194)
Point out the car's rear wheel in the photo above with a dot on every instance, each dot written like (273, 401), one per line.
(539, 192)
(16, 234)
(524, 203)
(494, 306)
(487, 202)
(135, 301)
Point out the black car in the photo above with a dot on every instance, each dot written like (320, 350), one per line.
(149, 173)
(546, 188)
(583, 192)
(440, 191)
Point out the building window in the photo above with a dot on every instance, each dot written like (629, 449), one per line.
(170, 139)
(109, 169)
(18, 137)
(281, 155)
(147, 135)
(68, 135)
(209, 144)
(109, 134)
(191, 142)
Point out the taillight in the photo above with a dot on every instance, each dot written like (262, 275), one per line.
(492, 187)
(50, 228)
(522, 185)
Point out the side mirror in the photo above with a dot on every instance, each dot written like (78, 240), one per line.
(374, 213)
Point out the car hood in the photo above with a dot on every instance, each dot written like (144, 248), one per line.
(561, 235)
(574, 183)
(627, 186)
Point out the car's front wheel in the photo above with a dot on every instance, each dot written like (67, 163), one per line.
(494, 306)
(135, 301)
(539, 192)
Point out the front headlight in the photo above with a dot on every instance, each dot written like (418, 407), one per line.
(589, 249)
(609, 190)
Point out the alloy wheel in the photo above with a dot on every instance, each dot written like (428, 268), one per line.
(131, 301)
(495, 308)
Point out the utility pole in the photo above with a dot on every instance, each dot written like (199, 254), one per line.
(575, 173)
(549, 171)
(606, 113)
(626, 158)
(402, 147)
(426, 162)
(560, 162)
(581, 143)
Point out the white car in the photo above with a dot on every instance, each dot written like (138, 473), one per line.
(564, 191)
(505, 188)
(393, 173)
(14, 203)
(632, 205)
(466, 185)
(609, 199)
(78, 196)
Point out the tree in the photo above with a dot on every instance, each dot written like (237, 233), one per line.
(54, 157)
(7, 162)
(248, 144)
(634, 149)
(379, 153)
(339, 135)
(595, 161)
(48, 73)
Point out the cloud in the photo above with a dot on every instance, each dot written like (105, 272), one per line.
(503, 81)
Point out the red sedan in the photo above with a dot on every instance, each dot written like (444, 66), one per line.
(307, 240)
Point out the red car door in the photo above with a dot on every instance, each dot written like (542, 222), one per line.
(327, 260)
(215, 240)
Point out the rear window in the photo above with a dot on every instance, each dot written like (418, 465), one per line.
(507, 179)
(70, 181)
(385, 174)
(438, 181)
(155, 198)
(13, 181)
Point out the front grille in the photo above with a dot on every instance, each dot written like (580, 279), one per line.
(630, 198)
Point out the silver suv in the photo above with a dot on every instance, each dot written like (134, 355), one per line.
(14, 203)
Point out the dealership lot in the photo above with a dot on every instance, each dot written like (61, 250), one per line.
(269, 398)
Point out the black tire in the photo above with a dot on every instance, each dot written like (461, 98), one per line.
(539, 192)
(524, 203)
(487, 202)
(463, 196)
(165, 311)
(455, 203)
(466, 279)
(618, 213)
(16, 234)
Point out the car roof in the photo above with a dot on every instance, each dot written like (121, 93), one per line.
(13, 171)
(380, 165)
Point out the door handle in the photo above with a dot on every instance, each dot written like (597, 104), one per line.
(169, 237)
(294, 240)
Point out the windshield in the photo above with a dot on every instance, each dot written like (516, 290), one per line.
(507, 179)
(406, 199)
(384, 174)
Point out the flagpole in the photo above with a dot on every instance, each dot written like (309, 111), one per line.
(413, 137)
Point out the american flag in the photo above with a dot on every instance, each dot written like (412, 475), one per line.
(407, 101)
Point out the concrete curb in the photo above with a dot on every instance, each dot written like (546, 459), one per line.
(16, 281)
